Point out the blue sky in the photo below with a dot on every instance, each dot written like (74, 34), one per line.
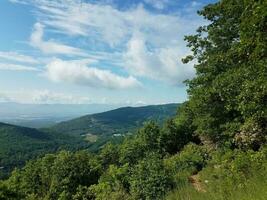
(93, 51)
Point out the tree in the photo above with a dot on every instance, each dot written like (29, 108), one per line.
(113, 184)
(149, 180)
(149, 136)
(146, 140)
(7, 194)
(109, 155)
(179, 131)
(55, 176)
(231, 55)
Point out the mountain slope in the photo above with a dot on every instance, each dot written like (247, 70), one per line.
(118, 121)
(19, 144)
(45, 115)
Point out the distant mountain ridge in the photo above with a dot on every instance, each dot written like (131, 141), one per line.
(44, 115)
(118, 121)
(19, 144)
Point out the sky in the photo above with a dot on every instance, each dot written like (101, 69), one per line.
(96, 51)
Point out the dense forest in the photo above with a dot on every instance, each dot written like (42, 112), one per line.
(20, 144)
(214, 149)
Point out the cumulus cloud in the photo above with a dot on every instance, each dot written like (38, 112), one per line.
(51, 47)
(15, 67)
(162, 64)
(79, 72)
(14, 56)
(149, 44)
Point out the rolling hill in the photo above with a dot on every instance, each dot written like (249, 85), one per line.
(118, 121)
(20, 144)
(45, 115)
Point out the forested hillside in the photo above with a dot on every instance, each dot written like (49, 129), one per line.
(118, 121)
(214, 149)
(20, 144)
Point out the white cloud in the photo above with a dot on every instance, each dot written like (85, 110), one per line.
(48, 97)
(19, 1)
(163, 64)
(79, 72)
(51, 47)
(158, 4)
(15, 67)
(42, 97)
(149, 44)
(161, 33)
(111, 26)
(14, 56)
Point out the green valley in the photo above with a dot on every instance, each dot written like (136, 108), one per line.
(20, 144)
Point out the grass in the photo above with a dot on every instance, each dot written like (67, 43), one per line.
(254, 189)
(90, 137)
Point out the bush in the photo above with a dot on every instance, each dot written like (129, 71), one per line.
(149, 179)
(186, 163)
(113, 184)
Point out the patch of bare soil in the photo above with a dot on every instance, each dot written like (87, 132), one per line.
(196, 183)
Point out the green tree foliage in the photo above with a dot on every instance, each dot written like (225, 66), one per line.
(146, 140)
(55, 176)
(226, 110)
(19, 144)
(231, 53)
(149, 136)
(149, 179)
(113, 184)
(174, 137)
(192, 159)
(109, 155)
(131, 150)
(6, 193)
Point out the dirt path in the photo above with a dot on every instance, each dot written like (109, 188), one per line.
(195, 181)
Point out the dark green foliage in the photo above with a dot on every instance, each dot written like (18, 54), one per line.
(191, 159)
(113, 184)
(174, 137)
(131, 150)
(83, 193)
(19, 144)
(109, 155)
(55, 176)
(149, 179)
(149, 136)
(118, 171)
(230, 87)
(119, 121)
(7, 194)
(144, 141)
(214, 149)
